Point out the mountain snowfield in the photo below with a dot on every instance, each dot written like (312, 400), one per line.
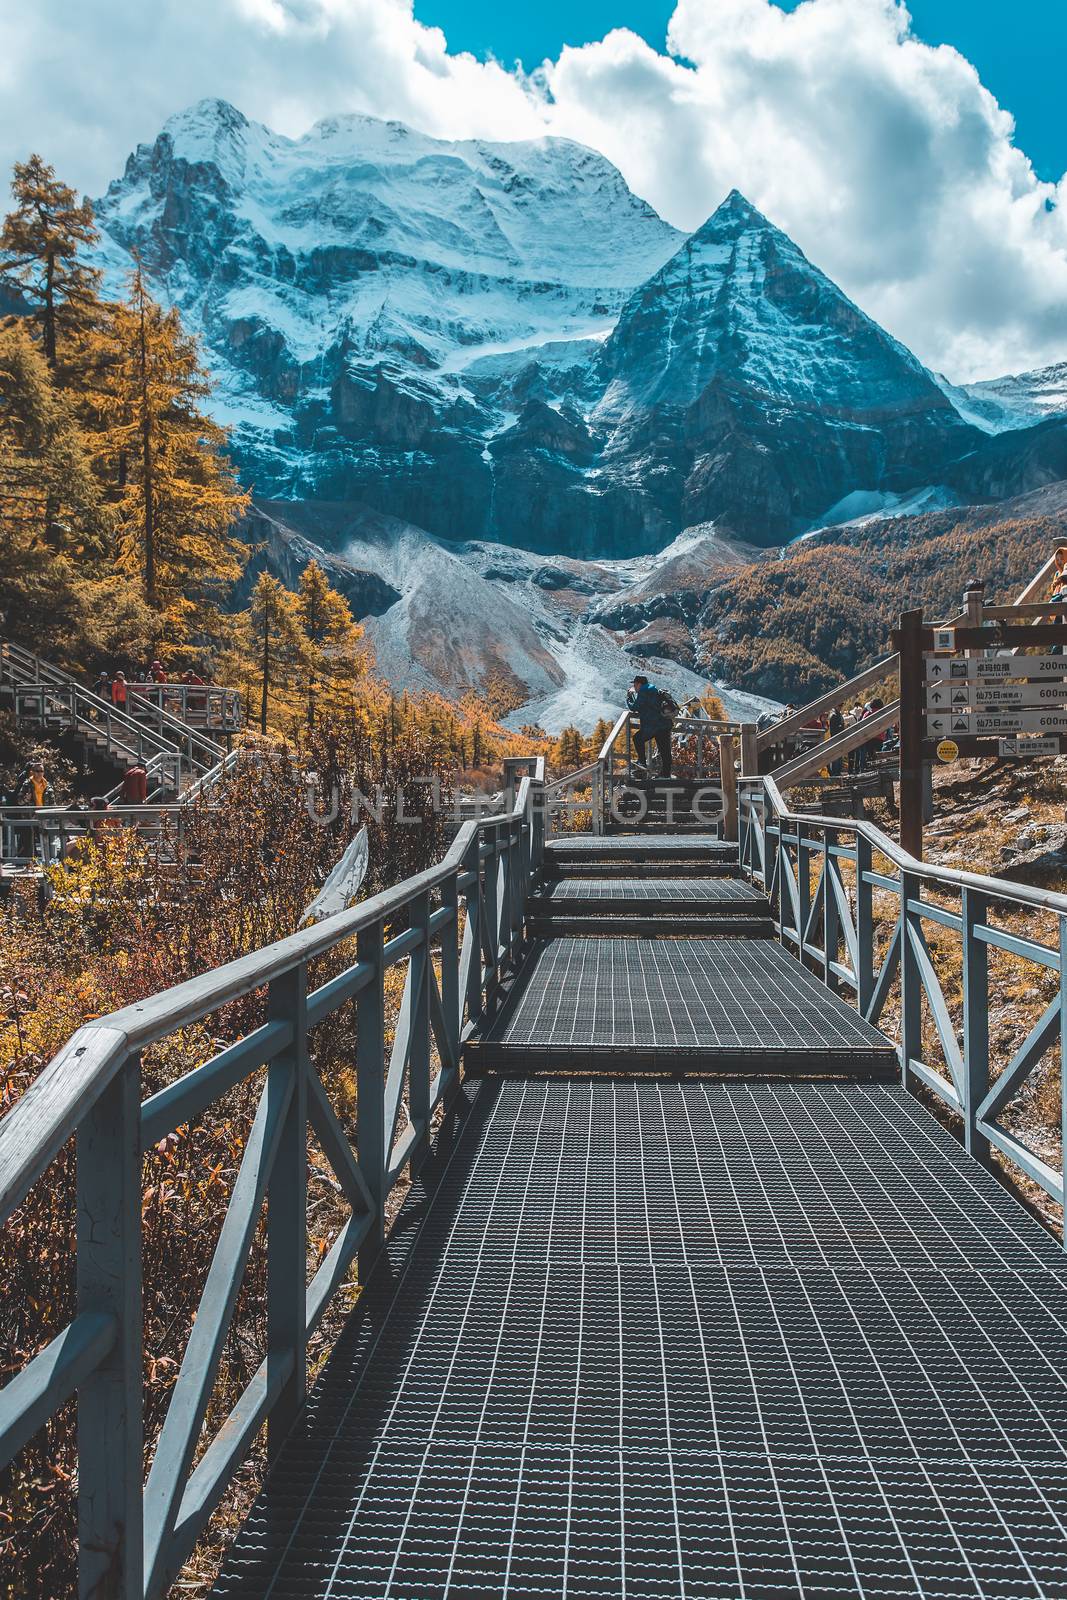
(512, 406)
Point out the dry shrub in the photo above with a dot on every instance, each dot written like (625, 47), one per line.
(129, 916)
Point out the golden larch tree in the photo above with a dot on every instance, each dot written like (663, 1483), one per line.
(176, 491)
(335, 658)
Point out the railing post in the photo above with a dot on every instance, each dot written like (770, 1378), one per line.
(728, 782)
(474, 938)
(491, 907)
(1063, 1063)
(537, 826)
(973, 908)
(910, 984)
(287, 1212)
(110, 1427)
(749, 750)
(451, 999)
(803, 891)
(516, 888)
(370, 1088)
(419, 1038)
(864, 926)
(831, 917)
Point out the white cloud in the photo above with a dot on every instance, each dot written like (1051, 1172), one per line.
(887, 160)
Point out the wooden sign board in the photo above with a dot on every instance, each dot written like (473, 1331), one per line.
(981, 669)
(945, 725)
(993, 696)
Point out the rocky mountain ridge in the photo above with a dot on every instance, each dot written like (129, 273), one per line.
(469, 348)
(502, 342)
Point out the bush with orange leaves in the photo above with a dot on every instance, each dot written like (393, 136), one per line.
(129, 915)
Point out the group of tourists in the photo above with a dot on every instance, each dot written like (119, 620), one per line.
(838, 721)
(116, 687)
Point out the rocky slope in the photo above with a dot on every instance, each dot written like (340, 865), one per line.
(514, 627)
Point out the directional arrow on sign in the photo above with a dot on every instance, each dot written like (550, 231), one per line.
(985, 668)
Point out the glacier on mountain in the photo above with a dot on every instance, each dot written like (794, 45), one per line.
(499, 345)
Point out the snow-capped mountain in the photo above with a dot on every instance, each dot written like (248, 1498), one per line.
(1016, 401)
(502, 342)
(785, 397)
(344, 281)
(472, 346)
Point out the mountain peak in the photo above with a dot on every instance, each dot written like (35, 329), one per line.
(740, 298)
(734, 216)
(738, 205)
(210, 114)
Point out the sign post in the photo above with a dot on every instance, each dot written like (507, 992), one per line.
(973, 689)
(909, 643)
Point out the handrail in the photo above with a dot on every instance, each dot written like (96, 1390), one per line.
(778, 732)
(91, 1090)
(954, 877)
(622, 721)
(600, 773)
(1037, 582)
(187, 743)
(214, 775)
(797, 858)
(842, 744)
(108, 718)
(202, 705)
(207, 750)
(24, 1144)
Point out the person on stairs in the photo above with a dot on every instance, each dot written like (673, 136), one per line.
(36, 791)
(654, 709)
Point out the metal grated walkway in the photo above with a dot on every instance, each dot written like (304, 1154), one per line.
(702, 892)
(686, 1341)
(590, 847)
(715, 1004)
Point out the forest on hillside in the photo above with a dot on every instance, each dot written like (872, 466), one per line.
(792, 627)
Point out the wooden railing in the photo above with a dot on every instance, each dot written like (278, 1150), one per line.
(39, 836)
(856, 908)
(461, 928)
(590, 792)
(144, 729)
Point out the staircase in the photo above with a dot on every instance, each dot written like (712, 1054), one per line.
(667, 805)
(678, 887)
(43, 696)
(666, 972)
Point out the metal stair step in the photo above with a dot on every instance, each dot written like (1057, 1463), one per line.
(663, 924)
(724, 1006)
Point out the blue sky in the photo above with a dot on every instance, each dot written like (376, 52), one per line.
(893, 164)
(1020, 49)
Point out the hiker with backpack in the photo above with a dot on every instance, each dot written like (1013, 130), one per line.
(655, 710)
